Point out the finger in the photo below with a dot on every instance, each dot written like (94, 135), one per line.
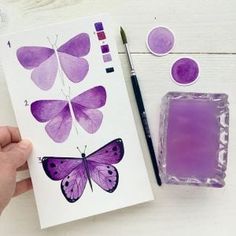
(9, 135)
(9, 147)
(23, 186)
(23, 167)
(20, 153)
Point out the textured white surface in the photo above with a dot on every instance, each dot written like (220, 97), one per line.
(205, 31)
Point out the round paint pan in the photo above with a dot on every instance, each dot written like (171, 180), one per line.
(160, 41)
(185, 71)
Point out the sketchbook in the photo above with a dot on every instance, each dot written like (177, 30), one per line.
(69, 96)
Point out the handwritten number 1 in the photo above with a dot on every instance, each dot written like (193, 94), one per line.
(9, 44)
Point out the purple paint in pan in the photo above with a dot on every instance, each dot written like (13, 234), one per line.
(185, 71)
(105, 48)
(107, 57)
(101, 35)
(160, 41)
(99, 26)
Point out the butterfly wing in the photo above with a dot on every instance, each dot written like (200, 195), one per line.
(43, 61)
(70, 53)
(85, 108)
(45, 74)
(101, 170)
(104, 175)
(58, 168)
(73, 185)
(72, 173)
(111, 153)
(78, 46)
(75, 68)
(32, 57)
(57, 114)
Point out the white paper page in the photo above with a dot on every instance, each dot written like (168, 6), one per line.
(44, 86)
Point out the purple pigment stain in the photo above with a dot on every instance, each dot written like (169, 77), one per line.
(101, 35)
(185, 71)
(99, 26)
(193, 143)
(160, 41)
(105, 48)
(107, 57)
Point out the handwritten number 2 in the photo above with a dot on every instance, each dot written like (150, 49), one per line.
(26, 103)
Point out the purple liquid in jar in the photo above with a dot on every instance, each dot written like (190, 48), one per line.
(193, 144)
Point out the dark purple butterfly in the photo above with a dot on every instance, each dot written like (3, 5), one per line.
(44, 61)
(75, 172)
(58, 113)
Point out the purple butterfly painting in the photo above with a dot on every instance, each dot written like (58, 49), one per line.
(74, 173)
(59, 114)
(44, 62)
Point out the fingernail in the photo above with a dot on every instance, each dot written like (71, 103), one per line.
(25, 144)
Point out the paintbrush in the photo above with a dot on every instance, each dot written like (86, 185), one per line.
(142, 113)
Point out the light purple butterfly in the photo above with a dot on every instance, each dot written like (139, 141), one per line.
(75, 172)
(44, 61)
(58, 114)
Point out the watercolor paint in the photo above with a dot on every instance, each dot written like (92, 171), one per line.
(185, 71)
(160, 41)
(110, 70)
(107, 57)
(98, 26)
(193, 138)
(101, 35)
(105, 48)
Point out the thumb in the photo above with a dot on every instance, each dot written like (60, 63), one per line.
(20, 153)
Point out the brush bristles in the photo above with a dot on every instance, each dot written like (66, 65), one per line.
(123, 36)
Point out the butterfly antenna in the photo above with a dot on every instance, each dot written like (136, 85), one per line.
(55, 43)
(69, 91)
(78, 149)
(66, 96)
(50, 42)
(85, 147)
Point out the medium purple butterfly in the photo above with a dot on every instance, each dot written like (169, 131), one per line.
(44, 61)
(75, 172)
(58, 113)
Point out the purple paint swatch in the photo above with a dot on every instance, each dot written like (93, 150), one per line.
(185, 71)
(74, 173)
(105, 48)
(101, 35)
(160, 41)
(107, 57)
(99, 26)
(193, 143)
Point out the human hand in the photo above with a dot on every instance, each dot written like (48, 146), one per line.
(13, 155)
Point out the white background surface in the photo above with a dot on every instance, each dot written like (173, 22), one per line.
(204, 30)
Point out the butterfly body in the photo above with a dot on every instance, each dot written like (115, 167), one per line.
(83, 156)
(74, 173)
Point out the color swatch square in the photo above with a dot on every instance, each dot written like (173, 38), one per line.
(105, 48)
(99, 26)
(101, 35)
(107, 57)
(110, 70)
